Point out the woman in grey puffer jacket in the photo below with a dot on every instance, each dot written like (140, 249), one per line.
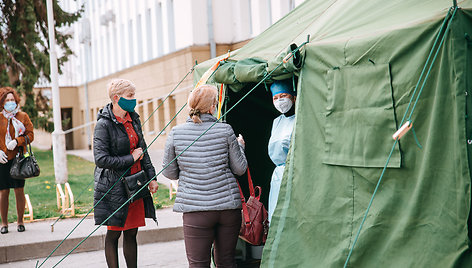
(208, 194)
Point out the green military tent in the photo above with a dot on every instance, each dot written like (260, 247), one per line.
(360, 70)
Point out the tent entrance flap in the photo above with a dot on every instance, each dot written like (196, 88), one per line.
(253, 119)
(360, 117)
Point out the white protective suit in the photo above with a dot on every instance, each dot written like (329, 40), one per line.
(279, 143)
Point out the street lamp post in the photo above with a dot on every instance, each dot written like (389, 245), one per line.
(58, 136)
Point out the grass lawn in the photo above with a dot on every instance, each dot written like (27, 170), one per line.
(42, 189)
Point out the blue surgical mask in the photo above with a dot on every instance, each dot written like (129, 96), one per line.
(10, 106)
(127, 105)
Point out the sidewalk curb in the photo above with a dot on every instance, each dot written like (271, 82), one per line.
(22, 252)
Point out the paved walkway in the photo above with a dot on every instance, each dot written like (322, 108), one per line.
(38, 241)
(159, 246)
(164, 255)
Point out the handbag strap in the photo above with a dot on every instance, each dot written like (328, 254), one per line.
(251, 192)
(249, 180)
(243, 204)
(28, 145)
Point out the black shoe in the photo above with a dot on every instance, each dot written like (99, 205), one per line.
(4, 230)
(21, 228)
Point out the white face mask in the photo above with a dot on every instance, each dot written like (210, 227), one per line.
(283, 105)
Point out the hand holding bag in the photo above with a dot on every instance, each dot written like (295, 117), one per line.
(24, 165)
(255, 222)
(133, 183)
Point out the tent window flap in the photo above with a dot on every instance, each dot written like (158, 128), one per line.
(360, 117)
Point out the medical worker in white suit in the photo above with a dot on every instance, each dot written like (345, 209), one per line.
(283, 96)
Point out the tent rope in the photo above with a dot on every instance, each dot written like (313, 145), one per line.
(448, 18)
(144, 151)
(107, 193)
(165, 99)
(173, 160)
(170, 93)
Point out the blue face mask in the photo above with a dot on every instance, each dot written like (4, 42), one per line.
(10, 106)
(127, 105)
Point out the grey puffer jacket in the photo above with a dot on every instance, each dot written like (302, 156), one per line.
(205, 170)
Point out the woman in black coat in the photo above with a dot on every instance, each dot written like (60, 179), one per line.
(118, 146)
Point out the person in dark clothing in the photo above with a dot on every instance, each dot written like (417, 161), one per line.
(118, 148)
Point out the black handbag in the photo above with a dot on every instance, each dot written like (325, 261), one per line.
(24, 165)
(133, 183)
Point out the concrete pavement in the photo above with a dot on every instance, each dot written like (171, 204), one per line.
(164, 255)
(159, 246)
(38, 241)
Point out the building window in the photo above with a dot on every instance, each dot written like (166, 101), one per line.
(92, 116)
(82, 115)
(170, 24)
(101, 57)
(249, 2)
(148, 34)
(269, 11)
(122, 54)
(130, 44)
(94, 57)
(139, 38)
(150, 115)
(115, 64)
(108, 53)
(159, 30)
(172, 110)
(141, 110)
(160, 111)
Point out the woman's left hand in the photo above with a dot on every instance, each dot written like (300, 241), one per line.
(12, 145)
(153, 186)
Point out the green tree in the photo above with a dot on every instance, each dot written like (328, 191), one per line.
(24, 50)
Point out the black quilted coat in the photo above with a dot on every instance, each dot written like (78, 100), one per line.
(112, 159)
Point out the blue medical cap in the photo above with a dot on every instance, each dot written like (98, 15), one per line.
(282, 86)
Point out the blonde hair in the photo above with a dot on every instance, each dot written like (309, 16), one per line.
(119, 87)
(200, 101)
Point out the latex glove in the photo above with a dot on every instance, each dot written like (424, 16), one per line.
(3, 157)
(12, 145)
(153, 186)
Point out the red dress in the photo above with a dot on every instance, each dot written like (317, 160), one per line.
(135, 217)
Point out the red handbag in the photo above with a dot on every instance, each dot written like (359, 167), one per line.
(255, 222)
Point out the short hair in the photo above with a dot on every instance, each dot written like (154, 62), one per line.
(4, 91)
(119, 86)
